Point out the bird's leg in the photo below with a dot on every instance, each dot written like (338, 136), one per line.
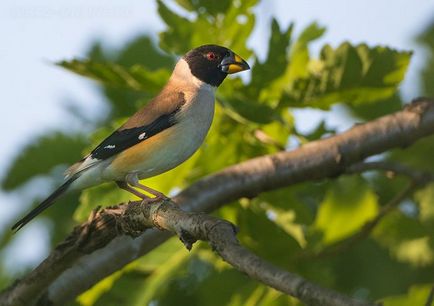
(133, 180)
(157, 194)
(123, 185)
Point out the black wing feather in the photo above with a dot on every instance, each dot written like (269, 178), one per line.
(125, 138)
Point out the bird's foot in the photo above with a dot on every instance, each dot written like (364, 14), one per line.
(160, 198)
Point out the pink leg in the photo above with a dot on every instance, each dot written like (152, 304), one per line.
(133, 180)
(125, 186)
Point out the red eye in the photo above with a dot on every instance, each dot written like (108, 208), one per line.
(211, 56)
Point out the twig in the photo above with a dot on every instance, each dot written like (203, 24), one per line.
(417, 176)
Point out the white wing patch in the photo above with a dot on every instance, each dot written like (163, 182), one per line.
(110, 147)
(142, 136)
(80, 166)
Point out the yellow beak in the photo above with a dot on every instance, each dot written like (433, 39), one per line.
(233, 63)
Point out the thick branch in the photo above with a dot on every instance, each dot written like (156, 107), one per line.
(190, 227)
(316, 160)
(221, 235)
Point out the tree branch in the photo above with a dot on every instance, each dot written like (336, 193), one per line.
(136, 217)
(63, 278)
(221, 235)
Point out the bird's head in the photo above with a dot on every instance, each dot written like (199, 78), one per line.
(211, 63)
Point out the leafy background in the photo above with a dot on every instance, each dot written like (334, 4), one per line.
(291, 227)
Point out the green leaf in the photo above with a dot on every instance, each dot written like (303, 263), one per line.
(377, 109)
(160, 277)
(259, 101)
(89, 297)
(279, 131)
(296, 62)
(134, 274)
(248, 110)
(427, 41)
(299, 58)
(350, 74)
(41, 156)
(265, 90)
(273, 297)
(425, 197)
(140, 52)
(320, 130)
(368, 271)
(177, 36)
(149, 275)
(235, 27)
(417, 295)
(136, 77)
(258, 224)
(154, 260)
(205, 7)
(277, 58)
(406, 238)
(202, 279)
(348, 205)
(226, 24)
(292, 209)
(415, 156)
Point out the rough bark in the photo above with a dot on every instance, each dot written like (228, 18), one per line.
(62, 275)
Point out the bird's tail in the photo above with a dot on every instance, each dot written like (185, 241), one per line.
(44, 205)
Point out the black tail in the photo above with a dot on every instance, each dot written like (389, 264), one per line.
(44, 205)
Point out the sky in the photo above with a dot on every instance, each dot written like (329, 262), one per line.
(34, 93)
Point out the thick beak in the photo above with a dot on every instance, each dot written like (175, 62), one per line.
(233, 63)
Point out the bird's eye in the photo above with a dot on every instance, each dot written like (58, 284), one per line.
(211, 56)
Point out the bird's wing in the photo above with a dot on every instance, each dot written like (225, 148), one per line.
(155, 117)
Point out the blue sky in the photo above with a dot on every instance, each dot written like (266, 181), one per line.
(34, 92)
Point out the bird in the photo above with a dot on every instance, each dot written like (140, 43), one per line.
(161, 135)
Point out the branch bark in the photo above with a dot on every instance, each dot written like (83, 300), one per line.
(137, 217)
(191, 227)
(64, 277)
